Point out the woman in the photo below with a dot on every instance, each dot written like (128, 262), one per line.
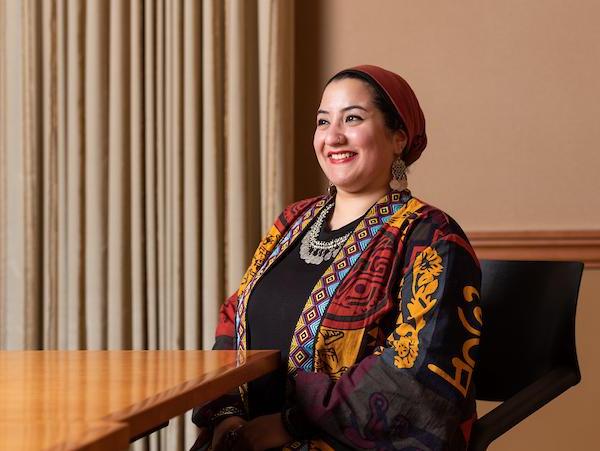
(370, 294)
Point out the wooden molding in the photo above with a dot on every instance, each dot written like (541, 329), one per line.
(570, 245)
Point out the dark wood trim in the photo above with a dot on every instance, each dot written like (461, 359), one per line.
(574, 245)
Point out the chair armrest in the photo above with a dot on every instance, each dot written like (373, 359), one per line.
(519, 406)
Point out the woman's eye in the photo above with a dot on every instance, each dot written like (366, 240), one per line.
(321, 122)
(353, 118)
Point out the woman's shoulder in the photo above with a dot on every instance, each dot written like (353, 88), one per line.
(434, 220)
(434, 227)
(295, 209)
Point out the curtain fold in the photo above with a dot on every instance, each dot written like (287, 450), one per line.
(137, 180)
(144, 150)
(241, 132)
(13, 204)
(32, 175)
(71, 88)
(118, 260)
(95, 175)
(3, 177)
(276, 32)
(213, 164)
(192, 171)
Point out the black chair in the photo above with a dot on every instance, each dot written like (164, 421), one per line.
(527, 353)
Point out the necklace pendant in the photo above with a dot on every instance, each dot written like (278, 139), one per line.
(313, 251)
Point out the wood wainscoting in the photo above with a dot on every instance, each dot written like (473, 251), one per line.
(570, 245)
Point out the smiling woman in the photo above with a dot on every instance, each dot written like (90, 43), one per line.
(370, 294)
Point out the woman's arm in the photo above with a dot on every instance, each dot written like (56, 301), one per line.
(210, 414)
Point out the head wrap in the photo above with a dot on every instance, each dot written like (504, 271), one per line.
(404, 100)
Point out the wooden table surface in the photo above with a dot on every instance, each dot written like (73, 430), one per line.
(101, 399)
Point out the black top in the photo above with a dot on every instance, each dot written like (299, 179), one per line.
(274, 307)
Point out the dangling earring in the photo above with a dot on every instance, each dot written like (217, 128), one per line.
(399, 181)
(331, 189)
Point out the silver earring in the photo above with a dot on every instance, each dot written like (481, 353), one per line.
(399, 180)
(331, 189)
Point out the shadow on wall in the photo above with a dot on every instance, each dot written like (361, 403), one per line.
(308, 178)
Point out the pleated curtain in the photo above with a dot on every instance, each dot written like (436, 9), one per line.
(144, 149)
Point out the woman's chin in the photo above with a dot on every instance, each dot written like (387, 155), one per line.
(344, 178)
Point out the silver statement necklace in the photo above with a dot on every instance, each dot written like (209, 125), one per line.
(313, 251)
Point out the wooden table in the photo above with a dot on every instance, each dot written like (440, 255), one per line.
(88, 400)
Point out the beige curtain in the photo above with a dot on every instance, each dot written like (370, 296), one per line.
(144, 148)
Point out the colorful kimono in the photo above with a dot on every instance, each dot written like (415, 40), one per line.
(383, 354)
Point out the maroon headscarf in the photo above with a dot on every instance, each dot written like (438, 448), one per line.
(407, 106)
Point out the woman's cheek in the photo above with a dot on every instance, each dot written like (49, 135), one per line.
(317, 142)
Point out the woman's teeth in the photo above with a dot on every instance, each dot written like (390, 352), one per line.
(341, 156)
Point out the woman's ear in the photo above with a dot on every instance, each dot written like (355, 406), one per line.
(400, 140)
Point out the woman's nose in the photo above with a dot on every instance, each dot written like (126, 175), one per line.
(335, 137)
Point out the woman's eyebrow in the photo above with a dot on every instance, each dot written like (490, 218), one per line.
(351, 107)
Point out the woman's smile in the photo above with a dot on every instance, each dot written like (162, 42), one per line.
(341, 156)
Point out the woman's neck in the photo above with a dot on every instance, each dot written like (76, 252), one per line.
(350, 206)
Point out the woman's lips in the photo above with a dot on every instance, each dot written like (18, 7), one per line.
(341, 157)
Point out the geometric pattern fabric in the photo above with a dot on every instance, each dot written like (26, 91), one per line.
(301, 354)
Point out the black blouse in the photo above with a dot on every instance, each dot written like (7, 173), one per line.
(274, 307)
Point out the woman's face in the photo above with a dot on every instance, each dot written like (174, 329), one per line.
(354, 147)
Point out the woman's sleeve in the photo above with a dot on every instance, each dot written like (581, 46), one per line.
(416, 391)
(225, 333)
(230, 404)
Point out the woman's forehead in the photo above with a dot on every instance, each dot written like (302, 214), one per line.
(345, 92)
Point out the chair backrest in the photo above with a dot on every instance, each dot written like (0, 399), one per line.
(528, 324)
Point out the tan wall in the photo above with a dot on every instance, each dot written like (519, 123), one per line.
(511, 93)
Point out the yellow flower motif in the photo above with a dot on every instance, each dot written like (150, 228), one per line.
(429, 265)
(406, 347)
(426, 270)
(419, 307)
